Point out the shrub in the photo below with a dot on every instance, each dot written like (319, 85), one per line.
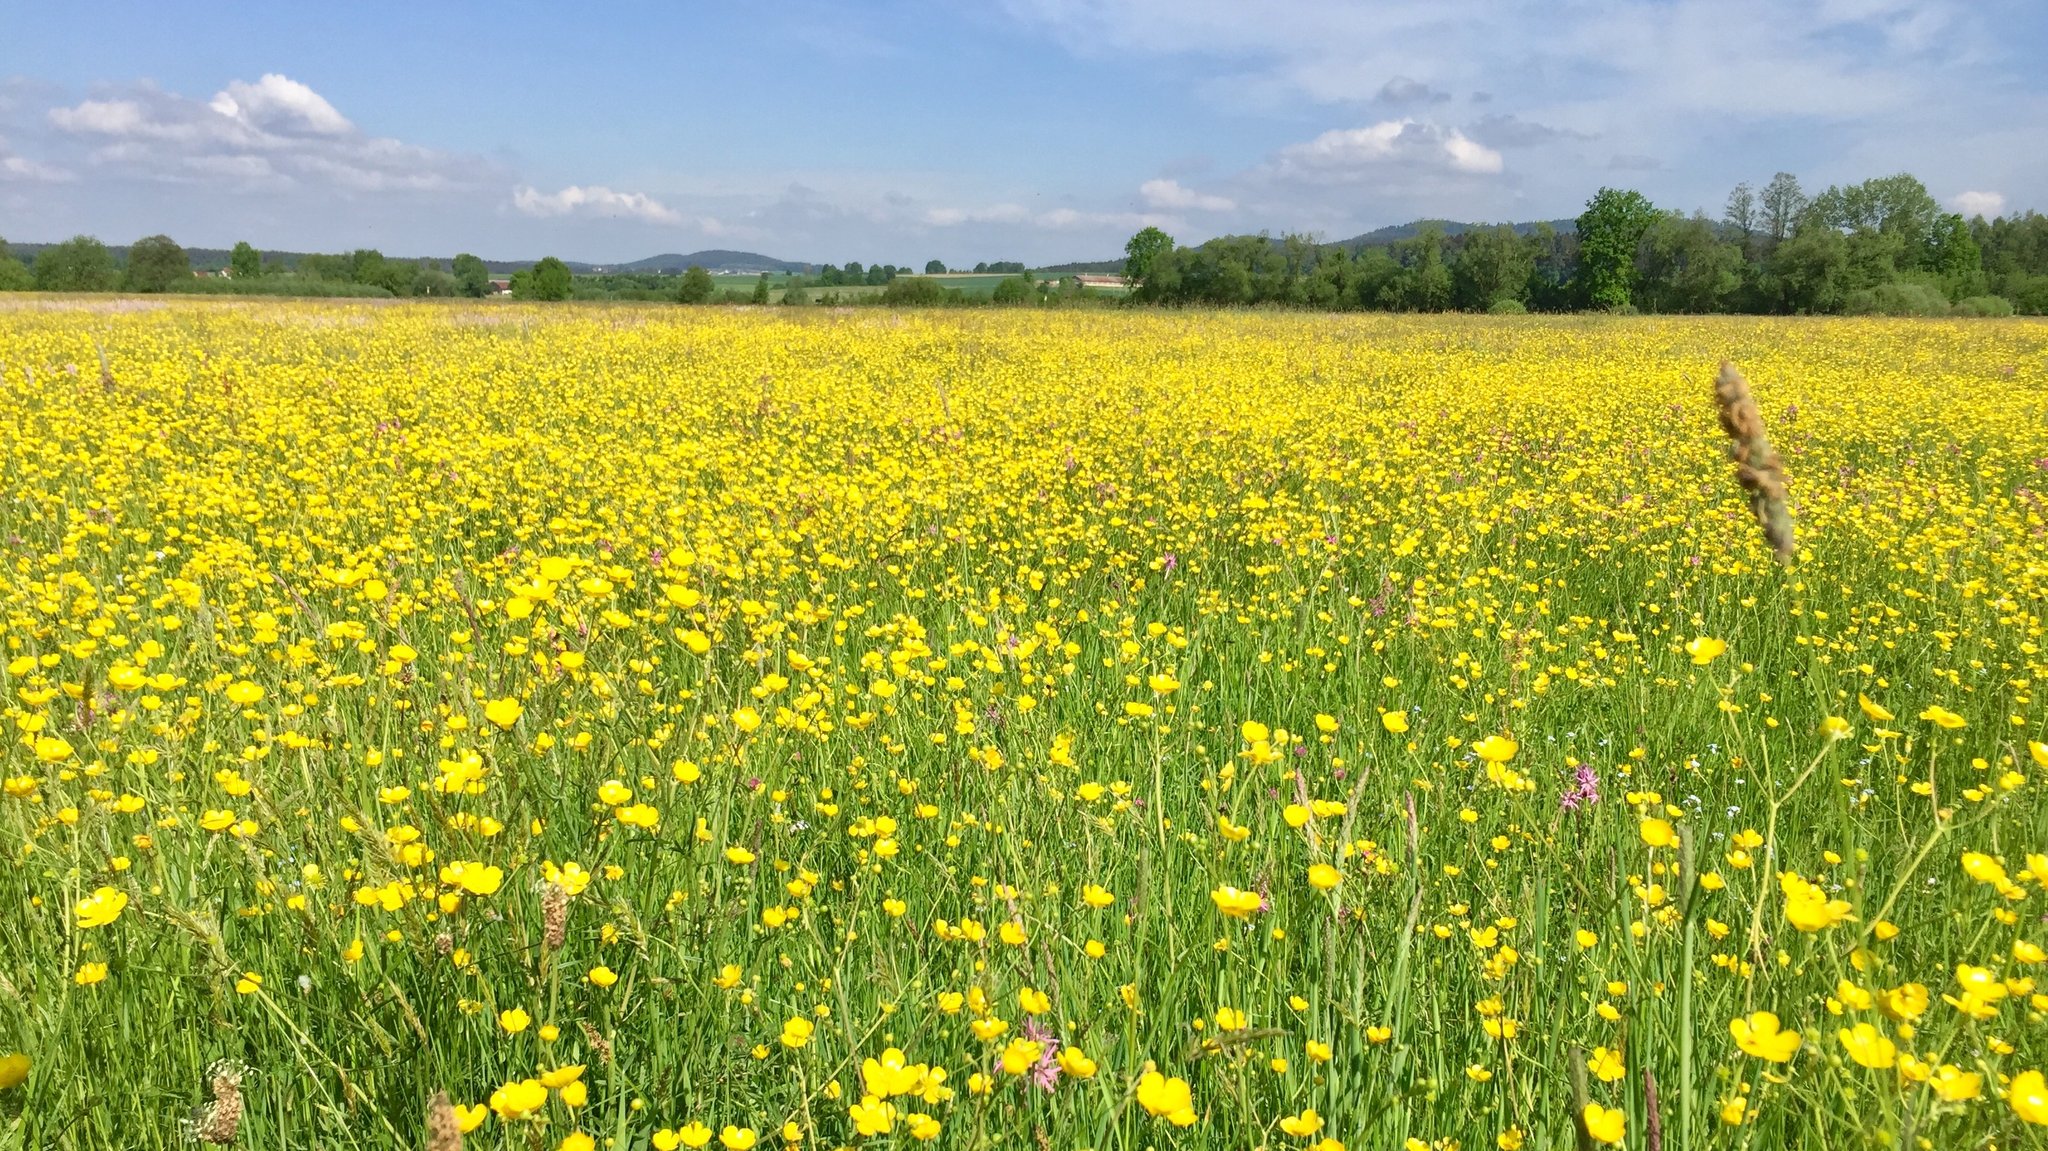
(280, 285)
(1506, 306)
(914, 292)
(1896, 299)
(1984, 306)
(1015, 290)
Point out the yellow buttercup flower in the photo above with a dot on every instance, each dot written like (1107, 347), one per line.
(1495, 749)
(1942, 717)
(102, 907)
(1868, 1046)
(1604, 1124)
(1166, 1098)
(1758, 1034)
(2028, 1096)
(1705, 649)
(1236, 904)
(504, 712)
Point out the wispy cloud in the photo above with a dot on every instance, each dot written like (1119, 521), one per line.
(1173, 196)
(594, 200)
(21, 169)
(1056, 219)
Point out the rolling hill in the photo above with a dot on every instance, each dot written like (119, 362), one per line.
(714, 260)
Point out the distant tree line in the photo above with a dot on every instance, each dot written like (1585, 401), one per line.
(159, 264)
(1882, 246)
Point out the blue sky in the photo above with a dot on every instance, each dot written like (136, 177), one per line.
(1042, 130)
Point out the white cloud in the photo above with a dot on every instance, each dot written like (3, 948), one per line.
(1172, 195)
(594, 200)
(1056, 219)
(1838, 89)
(1346, 152)
(1470, 156)
(21, 169)
(103, 118)
(1989, 204)
(29, 171)
(279, 103)
(274, 133)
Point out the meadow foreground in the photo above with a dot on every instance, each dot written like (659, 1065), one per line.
(663, 728)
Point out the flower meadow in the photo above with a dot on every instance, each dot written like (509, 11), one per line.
(586, 727)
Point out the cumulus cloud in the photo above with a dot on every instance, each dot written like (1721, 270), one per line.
(594, 200)
(280, 103)
(1343, 153)
(1988, 204)
(1172, 195)
(272, 133)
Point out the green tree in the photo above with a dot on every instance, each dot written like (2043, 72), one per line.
(696, 287)
(1492, 265)
(547, 280)
(1891, 205)
(366, 266)
(1683, 265)
(1610, 230)
(760, 295)
(245, 262)
(1780, 207)
(397, 277)
(794, 294)
(1742, 215)
(14, 275)
(323, 267)
(435, 282)
(1329, 281)
(1955, 257)
(1809, 272)
(155, 263)
(1140, 254)
(1425, 282)
(79, 264)
(472, 276)
(1553, 255)
(934, 267)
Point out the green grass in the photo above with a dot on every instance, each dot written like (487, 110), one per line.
(888, 532)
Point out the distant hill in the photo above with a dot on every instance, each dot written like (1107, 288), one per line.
(1098, 267)
(713, 260)
(210, 258)
(1381, 237)
(1377, 238)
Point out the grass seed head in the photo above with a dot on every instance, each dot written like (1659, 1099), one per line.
(1758, 467)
